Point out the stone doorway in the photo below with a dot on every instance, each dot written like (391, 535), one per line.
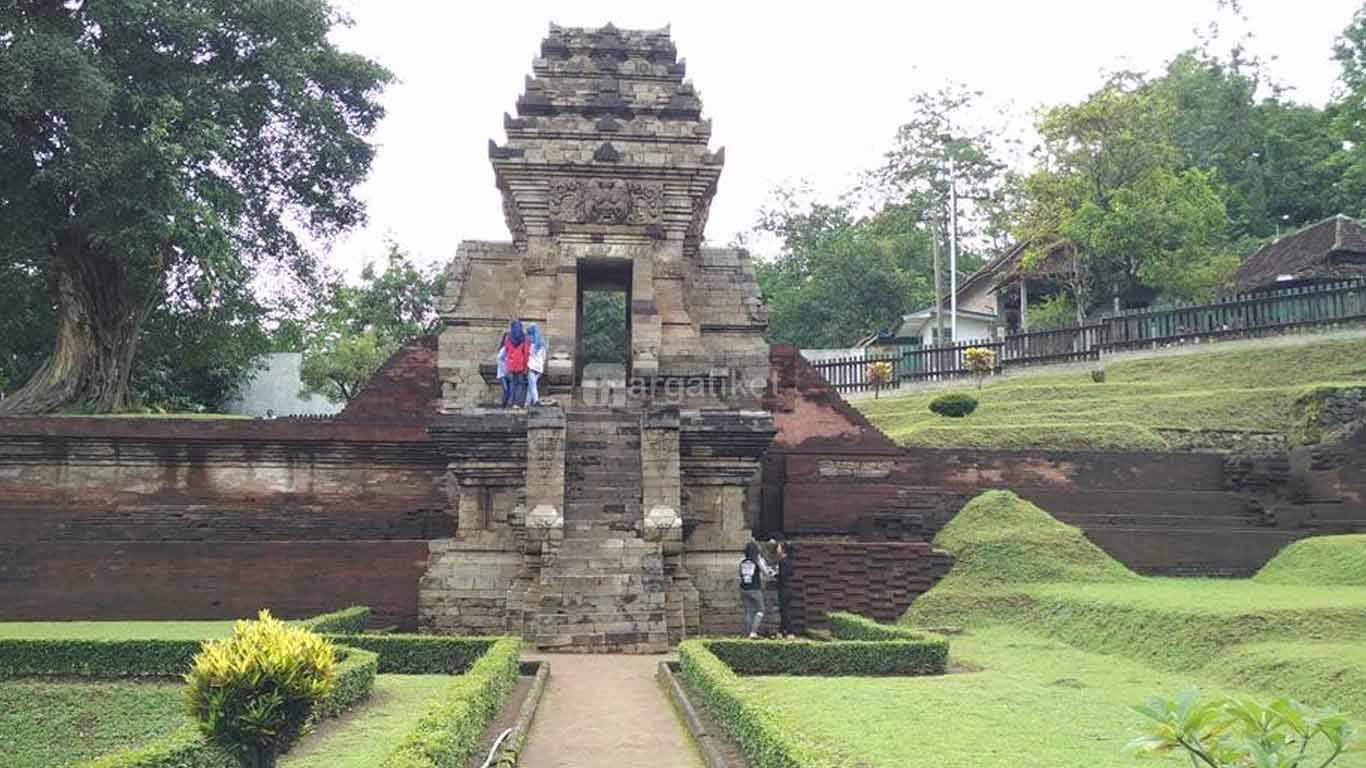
(602, 340)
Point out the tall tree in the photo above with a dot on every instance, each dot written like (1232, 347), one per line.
(357, 327)
(1113, 197)
(1349, 118)
(143, 141)
(839, 276)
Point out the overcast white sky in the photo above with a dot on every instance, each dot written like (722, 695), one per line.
(796, 90)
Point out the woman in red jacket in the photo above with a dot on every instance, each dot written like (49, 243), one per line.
(516, 351)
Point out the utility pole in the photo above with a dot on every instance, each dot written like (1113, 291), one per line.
(938, 288)
(953, 249)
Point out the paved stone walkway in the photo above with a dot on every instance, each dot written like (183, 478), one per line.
(606, 710)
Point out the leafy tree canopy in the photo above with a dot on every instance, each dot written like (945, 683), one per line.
(356, 328)
(150, 148)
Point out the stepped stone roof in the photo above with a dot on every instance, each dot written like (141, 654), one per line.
(609, 118)
(1332, 249)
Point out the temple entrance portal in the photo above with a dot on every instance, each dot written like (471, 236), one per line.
(603, 339)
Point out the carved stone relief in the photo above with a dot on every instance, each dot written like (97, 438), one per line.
(606, 201)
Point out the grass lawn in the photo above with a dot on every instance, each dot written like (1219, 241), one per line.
(363, 737)
(114, 630)
(1249, 389)
(51, 723)
(1034, 702)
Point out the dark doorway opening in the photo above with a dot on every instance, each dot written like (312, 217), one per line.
(603, 341)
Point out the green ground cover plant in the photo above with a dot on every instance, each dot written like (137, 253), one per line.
(1031, 701)
(1318, 673)
(1321, 561)
(364, 737)
(49, 723)
(1251, 389)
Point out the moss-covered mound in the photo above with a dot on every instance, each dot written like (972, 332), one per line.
(1319, 561)
(999, 538)
(1001, 544)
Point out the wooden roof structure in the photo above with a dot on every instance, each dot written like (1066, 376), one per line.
(1332, 249)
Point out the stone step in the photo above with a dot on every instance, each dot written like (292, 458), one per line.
(593, 605)
(595, 616)
(611, 642)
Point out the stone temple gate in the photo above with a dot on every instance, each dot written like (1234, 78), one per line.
(613, 519)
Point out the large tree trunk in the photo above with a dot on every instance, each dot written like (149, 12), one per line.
(97, 331)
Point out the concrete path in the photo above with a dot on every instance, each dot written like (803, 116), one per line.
(606, 710)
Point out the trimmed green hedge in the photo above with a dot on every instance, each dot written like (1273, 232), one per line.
(420, 654)
(346, 621)
(765, 739)
(851, 626)
(450, 731)
(805, 658)
(356, 671)
(96, 658)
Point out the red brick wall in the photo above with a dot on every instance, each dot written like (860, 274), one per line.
(169, 518)
(210, 580)
(876, 579)
(831, 472)
(406, 388)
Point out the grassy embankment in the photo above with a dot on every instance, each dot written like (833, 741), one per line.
(1252, 389)
(1061, 639)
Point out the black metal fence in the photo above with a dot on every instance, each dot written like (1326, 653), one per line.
(1242, 316)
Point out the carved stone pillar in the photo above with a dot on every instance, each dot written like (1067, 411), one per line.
(660, 475)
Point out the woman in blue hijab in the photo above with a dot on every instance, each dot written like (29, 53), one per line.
(516, 350)
(535, 364)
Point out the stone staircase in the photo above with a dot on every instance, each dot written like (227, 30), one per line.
(602, 495)
(604, 589)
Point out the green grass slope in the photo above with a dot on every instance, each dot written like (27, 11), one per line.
(1001, 544)
(1017, 565)
(1028, 701)
(1319, 561)
(1319, 674)
(1249, 389)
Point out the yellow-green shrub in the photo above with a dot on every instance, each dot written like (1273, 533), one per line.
(254, 693)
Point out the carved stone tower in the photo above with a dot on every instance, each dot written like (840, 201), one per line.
(613, 518)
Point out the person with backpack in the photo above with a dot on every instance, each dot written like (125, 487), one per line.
(752, 570)
(516, 351)
(535, 365)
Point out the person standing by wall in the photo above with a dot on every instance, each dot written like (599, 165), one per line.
(517, 351)
(786, 570)
(751, 570)
(535, 364)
